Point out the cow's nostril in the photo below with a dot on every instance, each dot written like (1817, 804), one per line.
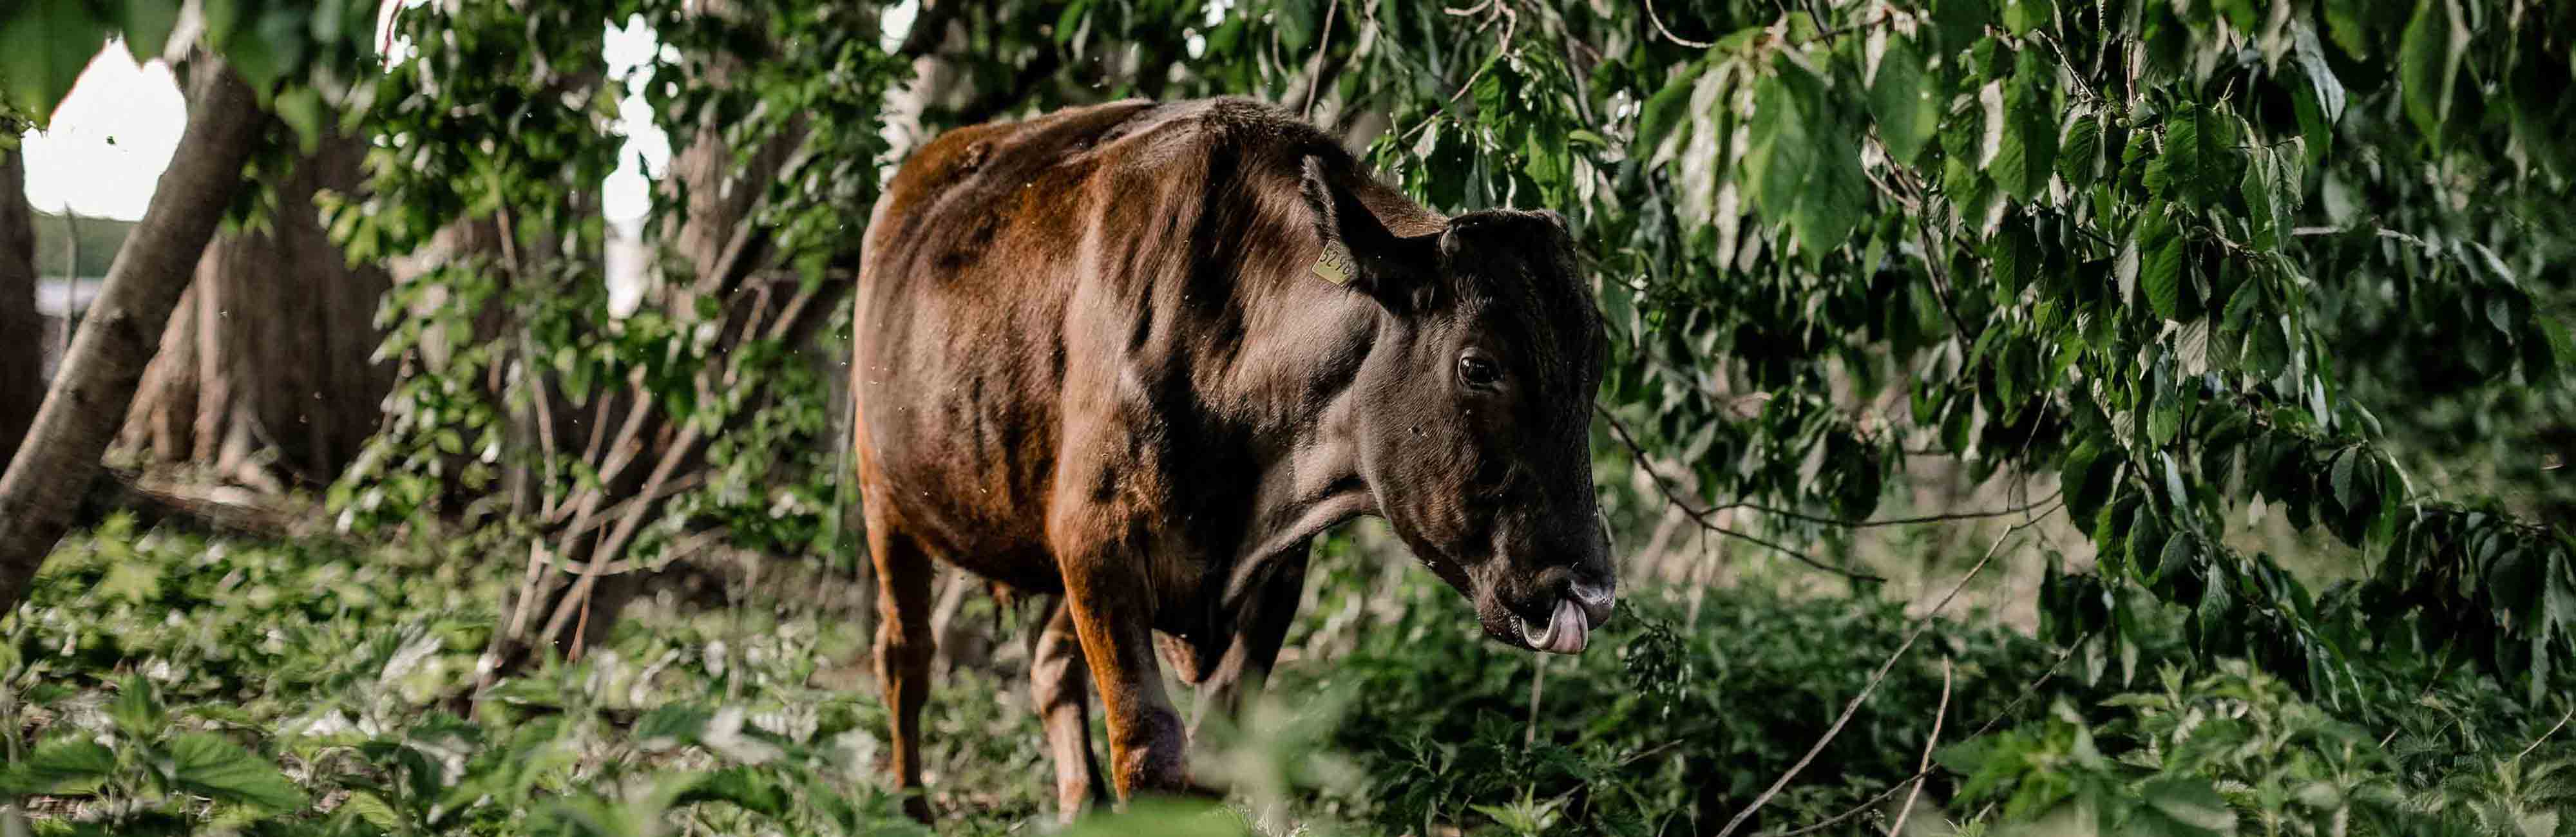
(1597, 599)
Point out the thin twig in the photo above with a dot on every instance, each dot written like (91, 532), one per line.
(1701, 517)
(2027, 690)
(2535, 743)
(1511, 23)
(1668, 34)
(1816, 14)
(1538, 681)
(1315, 68)
(1923, 769)
(1932, 260)
(1921, 624)
(1892, 521)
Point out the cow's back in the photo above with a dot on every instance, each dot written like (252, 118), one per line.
(980, 243)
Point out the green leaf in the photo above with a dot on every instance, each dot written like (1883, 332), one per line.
(56, 764)
(2161, 273)
(2147, 538)
(2079, 149)
(1783, 149)
(283, 35)
(214, 767)
(1803, 168)
(44, 45)
(2177, 555)
(2021, 16)
(743, 786)
(374, 810)
(2026, 153)
(2268, 348)
(1838, 194)
(2313, 124)
(2559, 602)
(2165, 420)
(301, 109)
(2322, 82)
(2266, 213)
(2199, 154)
(258, 63)
(2016, 256)
(146, 25)
(136, 710)
(1667, 109)
(2183, 808)
(2428, 64)
(2087, 477)
(1902, 101)
(222, 18)
(135, 582)
(2340, 477)
(1298, 22)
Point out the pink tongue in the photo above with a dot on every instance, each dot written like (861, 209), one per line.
(1570, 630)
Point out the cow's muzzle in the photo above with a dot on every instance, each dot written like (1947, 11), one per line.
(1569, 626)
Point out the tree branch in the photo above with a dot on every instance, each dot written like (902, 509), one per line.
(1668, 33)
(2027, 689)
(1701, 517)
(1923, 769)
(1892, 521)
(1921, 623)
(929, 27)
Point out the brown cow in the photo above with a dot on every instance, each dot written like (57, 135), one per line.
(1140, 354)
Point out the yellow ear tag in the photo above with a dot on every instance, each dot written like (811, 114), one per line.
(1336, 264)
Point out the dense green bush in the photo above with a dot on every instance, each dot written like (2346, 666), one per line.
(1670, 733)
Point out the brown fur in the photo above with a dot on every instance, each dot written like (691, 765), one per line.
(1092, 362)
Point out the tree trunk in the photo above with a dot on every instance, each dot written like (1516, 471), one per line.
(265, 365)
(22, 350)
(88, 400)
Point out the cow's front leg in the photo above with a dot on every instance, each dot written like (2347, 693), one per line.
(1260, 629)
(1105, 590)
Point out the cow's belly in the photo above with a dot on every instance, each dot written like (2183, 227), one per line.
(959, 418)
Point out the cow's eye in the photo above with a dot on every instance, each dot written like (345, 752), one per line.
(1476, 369)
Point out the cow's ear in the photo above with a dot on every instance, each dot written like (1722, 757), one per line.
(1359, 252)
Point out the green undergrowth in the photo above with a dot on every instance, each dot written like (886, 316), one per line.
(162, 683)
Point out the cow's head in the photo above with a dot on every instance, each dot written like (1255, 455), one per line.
(1475, 410)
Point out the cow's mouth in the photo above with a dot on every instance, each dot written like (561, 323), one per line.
(1566, 632)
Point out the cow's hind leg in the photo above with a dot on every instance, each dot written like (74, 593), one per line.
(904, 647)
(1060, 684)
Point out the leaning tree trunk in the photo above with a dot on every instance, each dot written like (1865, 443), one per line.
(22, 350)
(42, 489)
(265, 367)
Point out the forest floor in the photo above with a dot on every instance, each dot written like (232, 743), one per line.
(162, 682)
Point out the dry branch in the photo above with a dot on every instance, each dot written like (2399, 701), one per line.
(1921, 624)
(1700, 516)
(2019, 698)
(1923, 769)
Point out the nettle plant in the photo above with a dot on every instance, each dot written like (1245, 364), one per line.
(2129, 243)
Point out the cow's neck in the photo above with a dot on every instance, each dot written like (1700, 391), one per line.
(1306, 356)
